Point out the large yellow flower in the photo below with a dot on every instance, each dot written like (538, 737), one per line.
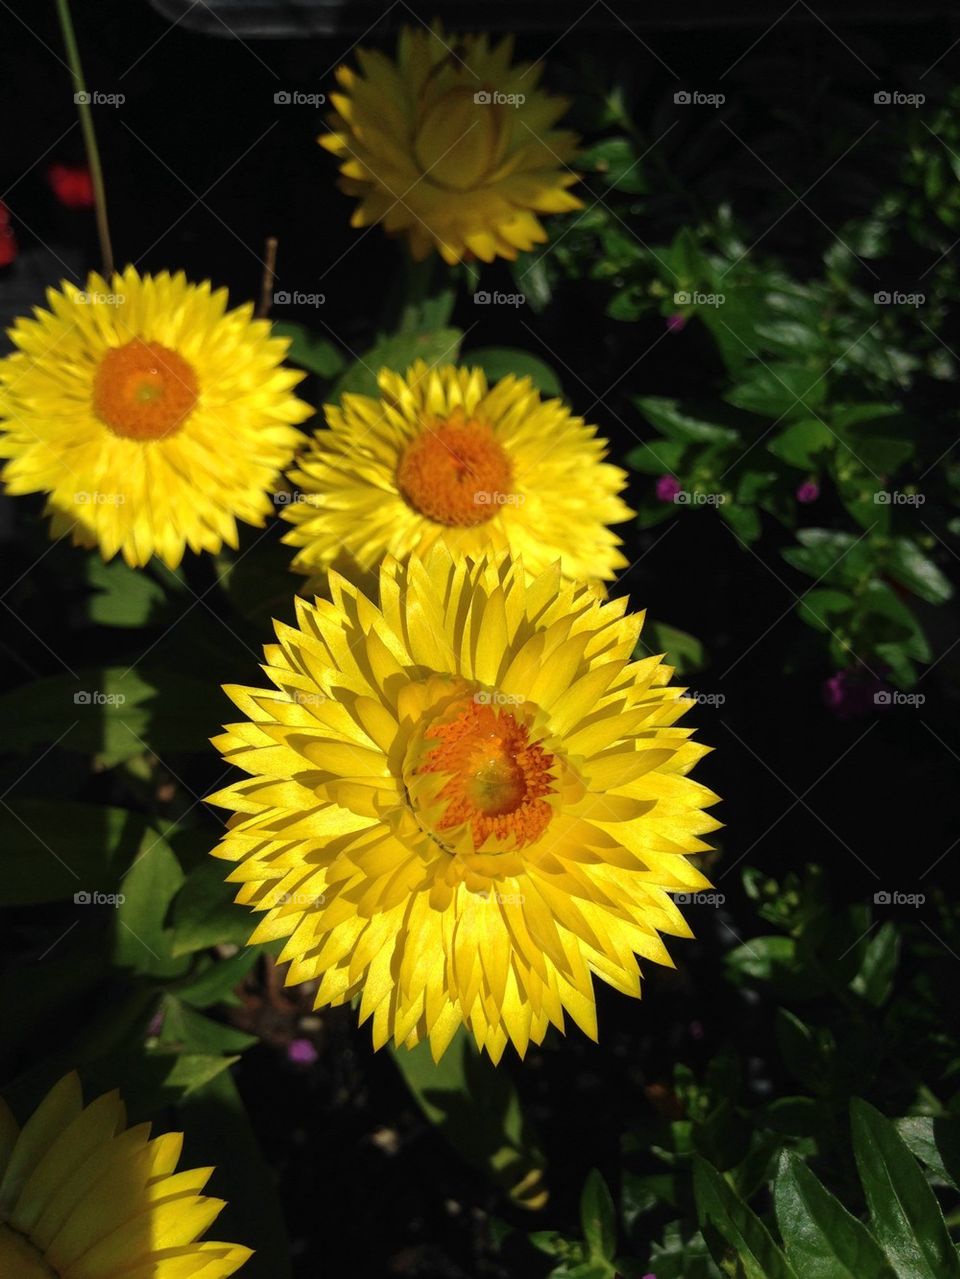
(464, 802)
(443, 458)
(152, 417)
(84, 1197)
(452, 146)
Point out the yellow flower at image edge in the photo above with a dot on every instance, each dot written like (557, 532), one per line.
(452, 146)
(84, 1197)
(443, 457)
(464, 801)
(152, 416)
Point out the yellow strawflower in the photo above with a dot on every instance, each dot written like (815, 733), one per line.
(152, 417)
(464, 802)
(442, 457)
(84, 1197)
(452, 145)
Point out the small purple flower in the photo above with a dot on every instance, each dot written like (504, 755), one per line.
(850, 694)
(668, 486)
(301, 1052)
(808, 492)
(676, 322)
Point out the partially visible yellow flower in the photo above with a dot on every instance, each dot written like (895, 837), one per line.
(464, 802)
(442, 457)
(152, 417)
(84, 1197)
(452, 145)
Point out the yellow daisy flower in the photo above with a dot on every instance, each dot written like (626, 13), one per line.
(464, 802)
(152, 416)
(442, 457)
(84, 1197)
(452, 146)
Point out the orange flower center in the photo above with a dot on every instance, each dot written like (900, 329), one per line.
(144, 391)
(456, 473)
(497, 777)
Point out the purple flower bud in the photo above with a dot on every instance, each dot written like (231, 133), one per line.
(808, 491)
(668, 486)
(676, 322)
(301, 1052)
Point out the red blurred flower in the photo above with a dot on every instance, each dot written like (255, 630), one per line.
(72, 185)
(8, 241)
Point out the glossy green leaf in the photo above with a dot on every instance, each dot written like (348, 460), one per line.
(904, 1212)
(822, 1239)
(721, 1208)
(498, 361)
(598, 1217)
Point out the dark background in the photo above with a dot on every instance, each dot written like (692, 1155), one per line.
(201, 165)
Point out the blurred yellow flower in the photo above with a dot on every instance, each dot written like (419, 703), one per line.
(84, 1197)
(452, 145)
(152, 417)
(442, 457)
(464, 802)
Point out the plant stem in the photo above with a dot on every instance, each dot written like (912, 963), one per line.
(82, 99)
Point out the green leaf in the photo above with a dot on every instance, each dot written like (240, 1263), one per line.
(720, 1207)
(52, 851)
(215, 981)
(598, 1217)
(142, 940)
(683, 651)
(204, 913)
(904, 1212)
(668, 417)
(498, 361)
(910, 567)
(936, 1142)
(440, 346)
(821, 608)
(476, 1108)
(827, 553)
(615, 161)
(762, 958)
(822, 1239)
(779, 390)
(744, 520)
(112, 713)
(124, 596)
(657, 456)
(186, 1030)
(801, 441)
(530, 273)
(881, 955)
(310, 350)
